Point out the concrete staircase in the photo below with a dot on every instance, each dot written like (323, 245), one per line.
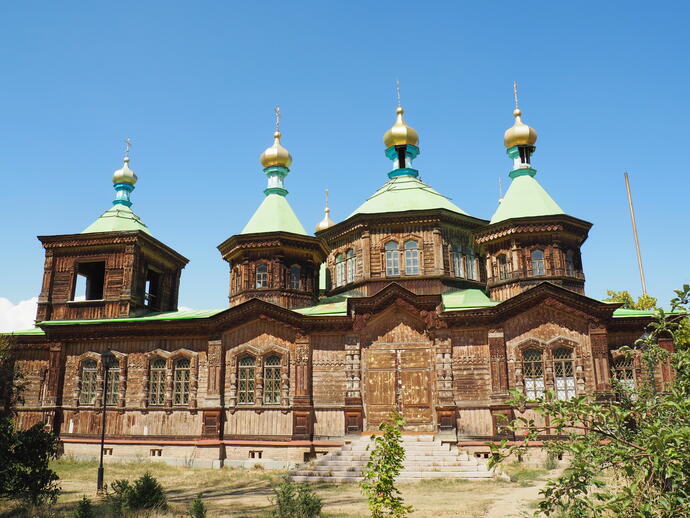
(425, 457)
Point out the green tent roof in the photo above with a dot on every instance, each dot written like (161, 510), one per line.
(185, 314)
(403, 193)
(274, 215)
(525, 198)
(118, 218)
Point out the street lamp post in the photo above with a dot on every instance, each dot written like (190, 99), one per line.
(106, 361)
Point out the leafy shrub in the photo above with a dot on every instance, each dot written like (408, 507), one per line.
(296, 501)
(145, 493)
(197, 509)
(84, 509)
(551, 461)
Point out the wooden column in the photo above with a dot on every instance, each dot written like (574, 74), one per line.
(354, 410)
(302, 413)
(667, 375)
(54, 381)
(446, 413)
(600, 359)
(499, 363)
(438, 252)
(366, 255)
(214, 389)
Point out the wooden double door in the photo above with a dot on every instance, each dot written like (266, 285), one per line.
(399, 378)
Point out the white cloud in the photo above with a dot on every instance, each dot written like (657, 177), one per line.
(184, 308)
(17, 317)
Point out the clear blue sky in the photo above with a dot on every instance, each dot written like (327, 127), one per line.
(605, 84)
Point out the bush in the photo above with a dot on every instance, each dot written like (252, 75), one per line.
(145, 493)
(197, 509)
(551, 461)
(296, 501)
(84, 509)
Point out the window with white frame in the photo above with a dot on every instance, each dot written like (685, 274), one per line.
(339, 269)
(533, 373)
(471, 266)
(261, 276)
(246, 379)
(112, 386)
(181, 377)
(392, 259)
(411, 257)
(624, 371)
(564, 373)
(538, 262)
(272, 380)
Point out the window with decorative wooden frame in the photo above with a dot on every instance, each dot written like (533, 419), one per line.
(88, 388)
(171, 379)
(457, 260)
(624, 368)
(262, 278)
(260, 376)
(548, 368)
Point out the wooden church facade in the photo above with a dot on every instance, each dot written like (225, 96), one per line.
(409, 304)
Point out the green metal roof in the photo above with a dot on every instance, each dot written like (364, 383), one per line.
(403, 193)
(117, 218)
(274, 215)
(466, 299)
(525, 198)
(36, 331)
(187, 314)
(625, 312)
(327, 306)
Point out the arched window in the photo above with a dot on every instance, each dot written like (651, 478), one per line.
(246, 378)
(262, 276)
(564, 373)
(157, 382)
(89, 382)
(350, 265)
(272, 380)
(181, 371)
(623, 371)
(458, 263)
(411, 258)
(339, 270)
(471, 267)
(295, 274)
(503, 270)
(392, 259)
(533, 373)
(570, 263)
(538, 262)
(112, 386)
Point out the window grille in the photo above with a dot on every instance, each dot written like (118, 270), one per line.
(157, 382)
(261, 276)
(272, 380)
(181, 372)
(503, 267)
(89, 382)
(624, 371)
(350, 265)
(411, 258)
(458, 268)
(564, 373)
(533, 373)
(538, 262)
(392, 259)
(246, 378)
(112, 386)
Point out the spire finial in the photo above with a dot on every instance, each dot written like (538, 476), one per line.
(397, 91)
(326, 191)
(277, 110)
(517, 107)
(326, 222)
(128, 146)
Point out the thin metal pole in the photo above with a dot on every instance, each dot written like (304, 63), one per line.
(99, 485)
(634, 227)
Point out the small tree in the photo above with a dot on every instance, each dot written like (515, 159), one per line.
(629, 458)
(197, 509)
(24, 454)
(145, 493)
(84, 509)
(384, 466)
(295, 500)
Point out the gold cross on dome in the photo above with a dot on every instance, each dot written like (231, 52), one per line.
(277, 110)
(515, 95)
(128, 146)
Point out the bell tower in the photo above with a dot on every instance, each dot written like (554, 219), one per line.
(114, 268)
(530, 239)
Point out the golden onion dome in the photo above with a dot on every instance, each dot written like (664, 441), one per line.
(326, 222)
(276, 155)
(400, 133)
(125, 174)
(519, 134)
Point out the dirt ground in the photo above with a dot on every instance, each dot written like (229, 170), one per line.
(247, 493)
